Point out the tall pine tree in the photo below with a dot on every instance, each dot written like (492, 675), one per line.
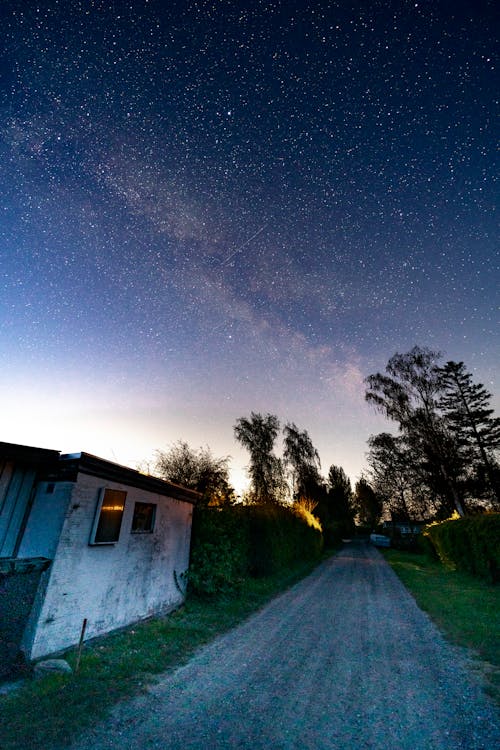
(466, 407)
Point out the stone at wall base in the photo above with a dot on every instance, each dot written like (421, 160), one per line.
(51, 666)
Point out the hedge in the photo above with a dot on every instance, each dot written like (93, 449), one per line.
(469, 544)
(278, 539)
(219, 551)
(231, 544)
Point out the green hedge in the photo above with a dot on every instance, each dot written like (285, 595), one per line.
(230, 544)
(219, 551)
(469, 544)
(278, 539)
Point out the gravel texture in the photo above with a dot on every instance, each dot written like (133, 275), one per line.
(343, 660)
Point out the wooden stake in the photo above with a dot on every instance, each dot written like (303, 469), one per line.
(80, 644)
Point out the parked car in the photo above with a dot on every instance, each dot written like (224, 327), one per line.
(379, 540)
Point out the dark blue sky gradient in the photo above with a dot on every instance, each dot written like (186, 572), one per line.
(219, 207)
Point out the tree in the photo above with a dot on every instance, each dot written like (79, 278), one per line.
(409, 395)
(334, 506)
(258, 434)
(466, 406)
(340, 496)
(197, 469)
(398, 478)
(367, 503)
(303, 458)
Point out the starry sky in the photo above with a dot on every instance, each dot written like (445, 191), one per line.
(210, 208)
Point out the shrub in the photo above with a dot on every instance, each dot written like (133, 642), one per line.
(469, 544)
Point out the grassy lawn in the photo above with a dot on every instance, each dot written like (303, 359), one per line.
(465, 608)
(50, 712)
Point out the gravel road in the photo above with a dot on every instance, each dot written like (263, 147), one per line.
(344, 660)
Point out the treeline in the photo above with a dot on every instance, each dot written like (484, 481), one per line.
(292, 480)
(443, 457)
(285, 518)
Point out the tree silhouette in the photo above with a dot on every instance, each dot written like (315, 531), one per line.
(409, 395)
(466, 406)
(303, 458)
(258, 434)
(367, 503)
(197, 469)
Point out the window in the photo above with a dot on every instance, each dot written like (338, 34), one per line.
(108, 520)
(143, 520)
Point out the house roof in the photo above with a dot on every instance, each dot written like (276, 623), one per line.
(27, 454)
(65, 467)
(71, 464)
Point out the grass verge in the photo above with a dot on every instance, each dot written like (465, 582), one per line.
(466, 609)
(49, 713)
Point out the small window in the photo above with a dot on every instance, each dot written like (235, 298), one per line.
(143, 520)
(108, 520)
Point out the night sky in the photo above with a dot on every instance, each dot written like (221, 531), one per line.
(210, 208)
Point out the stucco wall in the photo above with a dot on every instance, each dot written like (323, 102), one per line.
(110, 585)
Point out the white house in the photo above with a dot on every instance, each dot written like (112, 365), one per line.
(110, 544)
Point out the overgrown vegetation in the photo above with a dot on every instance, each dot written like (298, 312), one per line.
(50, 713)
(469, 544)
(465, 608)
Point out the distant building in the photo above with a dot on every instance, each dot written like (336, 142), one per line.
(403, 527)
(84, 538)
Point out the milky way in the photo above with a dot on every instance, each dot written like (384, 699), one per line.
(224, 206)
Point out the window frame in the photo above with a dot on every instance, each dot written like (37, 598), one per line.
(154, 506)
(97, 518)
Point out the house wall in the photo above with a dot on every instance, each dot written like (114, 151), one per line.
(110, 585)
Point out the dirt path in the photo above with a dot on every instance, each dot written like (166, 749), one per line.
(344, 660)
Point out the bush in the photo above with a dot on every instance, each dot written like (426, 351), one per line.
(232, 543)
(469, 544)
